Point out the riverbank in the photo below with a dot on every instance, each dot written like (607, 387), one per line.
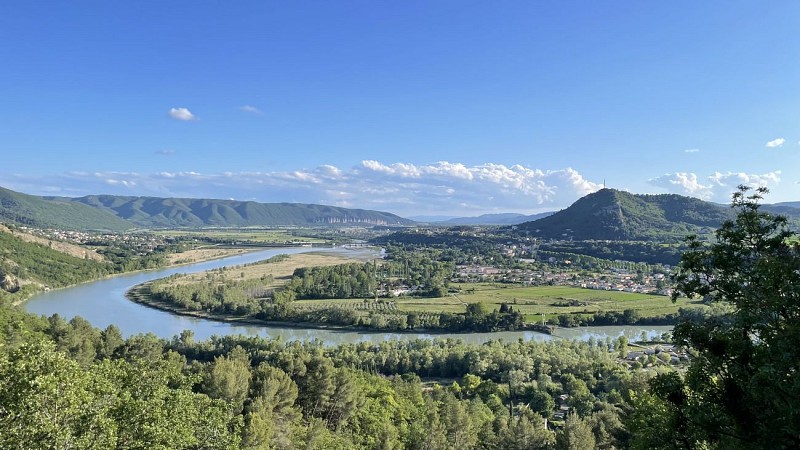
(219, 253)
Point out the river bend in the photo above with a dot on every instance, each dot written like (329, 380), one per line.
(103, 303)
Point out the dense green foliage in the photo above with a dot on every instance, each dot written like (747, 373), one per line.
(185, 212)
(68, 385)
(126, 258)
(39, 212)
(742, 389)
(614, 215)
(338, 281)
(217, 294)
(626, 317)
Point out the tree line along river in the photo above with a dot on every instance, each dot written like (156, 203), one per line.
(103, 303)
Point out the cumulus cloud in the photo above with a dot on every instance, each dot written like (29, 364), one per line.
(776, 143)
(692, 150)
(182, 114)
(715, 187)
(517, 186)
(407, 189)
(250, 109)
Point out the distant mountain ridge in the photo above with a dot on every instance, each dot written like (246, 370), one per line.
(609, 214)
(431, 219)
(189, 212)
(117, 213)
(789, 204)
(495, 219)
(788, 209)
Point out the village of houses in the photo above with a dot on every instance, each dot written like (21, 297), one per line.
(143, 243)
(562, 272)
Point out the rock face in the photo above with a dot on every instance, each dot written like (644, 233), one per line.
(8, 282)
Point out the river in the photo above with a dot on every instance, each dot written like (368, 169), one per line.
(103, 303)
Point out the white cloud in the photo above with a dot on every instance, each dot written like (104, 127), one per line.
(692, 150)
(115, 182)
(755, 180)
(516, 185)
(181, 114)
(776, 143)
(407, 189)
(715, 187)
(686, 183)
(166, 152)
(250, 109)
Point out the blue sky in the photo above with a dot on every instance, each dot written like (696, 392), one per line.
(412, 107)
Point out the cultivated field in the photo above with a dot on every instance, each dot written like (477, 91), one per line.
(531, 301)
(554, 300)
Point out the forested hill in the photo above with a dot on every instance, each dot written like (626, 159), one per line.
(186, 212)
(609, 214)
(117, 213)
(790, 210)
(40, 212)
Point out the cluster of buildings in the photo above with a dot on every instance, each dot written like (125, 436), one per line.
(623, 281)
(139, 241)
(650, 356)
(611, 279)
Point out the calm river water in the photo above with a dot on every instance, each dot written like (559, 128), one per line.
(103, 303)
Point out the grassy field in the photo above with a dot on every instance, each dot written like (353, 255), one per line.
(530, 301)
(548, 300)
(281, 271)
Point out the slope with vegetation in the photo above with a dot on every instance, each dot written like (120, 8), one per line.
(118, 213)
(40, 212)
(609, 214)
(186, 212)
(34, 260)
(27, 267)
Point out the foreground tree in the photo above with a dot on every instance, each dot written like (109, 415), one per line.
(576, 435)
(47, 401)
(742, 389)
